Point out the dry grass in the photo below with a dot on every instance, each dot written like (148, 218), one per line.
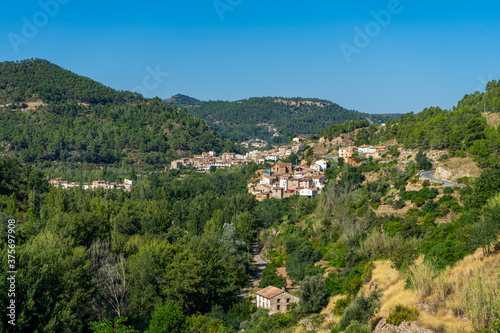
(471, 289)
(474, 288)
(393, 286)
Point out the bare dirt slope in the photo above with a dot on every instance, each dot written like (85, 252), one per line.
(455, 168)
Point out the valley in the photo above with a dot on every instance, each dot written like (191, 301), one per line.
(134, 213)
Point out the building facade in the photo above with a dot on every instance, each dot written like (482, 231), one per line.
(275, 299)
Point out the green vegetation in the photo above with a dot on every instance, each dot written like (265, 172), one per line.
(462, 130)
(361, 310)
(271, 278)
(84, 121)
(313, 295)
(249, 119)
(182, 100)
(401, 313)
(173, 254)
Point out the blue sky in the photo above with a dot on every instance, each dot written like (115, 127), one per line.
(429, 54)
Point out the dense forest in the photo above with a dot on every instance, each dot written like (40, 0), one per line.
(250, 119)
(80, 120)
(461, 131)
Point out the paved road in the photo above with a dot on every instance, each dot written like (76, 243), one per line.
(259, 267)
(429, 175)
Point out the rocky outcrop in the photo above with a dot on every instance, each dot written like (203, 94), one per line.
(405, 327)
(455, 168)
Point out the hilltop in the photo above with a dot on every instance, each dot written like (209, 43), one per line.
(275, 119)
(52, 114)
(182, 100)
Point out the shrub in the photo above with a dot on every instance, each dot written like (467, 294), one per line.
(168, 319)
(428, 223)
(448, 190)
(357, 327)
(419, 201)
(402, 313)
(465, 180)
(446, 254)
(361, 309)
(379, 244)
(270, 277)
(313, 294)
(340, 306)
(426, 183)
(403, 256)
(334, 284)
(443, 157)
(398, 204)
(433, 192)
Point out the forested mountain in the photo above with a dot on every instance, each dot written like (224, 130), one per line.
(37, 79)
(258, 117)
(462, 130)
(79, 120)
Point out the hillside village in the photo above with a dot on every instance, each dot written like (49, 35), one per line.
(210, 159)
(285, 180)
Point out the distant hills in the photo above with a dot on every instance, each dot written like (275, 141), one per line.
(182, 100)
(273, 119)
(469, 129)
(48, 113)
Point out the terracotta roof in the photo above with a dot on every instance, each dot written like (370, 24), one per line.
(270, 292)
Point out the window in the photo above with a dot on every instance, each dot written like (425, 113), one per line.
(288, 300)
(278, 300)
(278, 307)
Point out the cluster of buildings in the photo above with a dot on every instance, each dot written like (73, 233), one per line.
(126, 186)
(302, 103)
(205, 161)
(257, 143)
(285, 180)
(347, 153)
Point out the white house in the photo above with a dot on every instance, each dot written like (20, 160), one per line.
(319, 181)
(272, 157)
(308, 192)
(322, 164)
(128, 182)
(366, 149)
(267, 180)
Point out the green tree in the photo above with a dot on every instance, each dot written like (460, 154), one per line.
(107, 326)
(168, 319)
(423, 161)
(270, 277)
(313, 294)
(361, 309)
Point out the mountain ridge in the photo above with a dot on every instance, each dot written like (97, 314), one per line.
(275, 119)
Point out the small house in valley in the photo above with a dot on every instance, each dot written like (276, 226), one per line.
(274, 299)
